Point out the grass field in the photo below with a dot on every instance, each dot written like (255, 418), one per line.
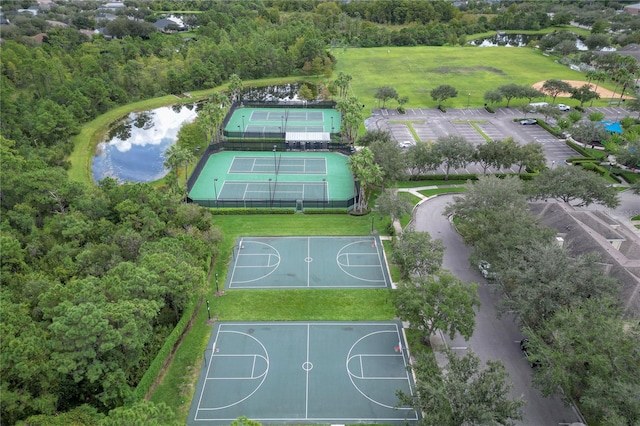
(414, 71)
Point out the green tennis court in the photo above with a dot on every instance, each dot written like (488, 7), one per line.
(303, 372)
(274, 179)
(308, 262)
(255, 120)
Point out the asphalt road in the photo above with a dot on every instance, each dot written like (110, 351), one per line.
(493, 338)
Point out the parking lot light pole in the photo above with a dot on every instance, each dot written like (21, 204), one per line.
(468, 99)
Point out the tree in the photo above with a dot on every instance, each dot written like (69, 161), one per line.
(629, 153)
(455, 151)
(371, 136)
(493, 96)
(305, 93)
(389, 203)
(142, 413)
(496, 153)
(438, 302)
(596, 41)
(351, 110)
(385, 93)
(590, 352)
(416, 253)
(544, 278)
(584, 94)
(634, 104)
(442, 93)
(549, 111)
(530, 156)
(556, 87)
(421, 157)
(211, 116)
(390, 157)
(366, 172)
(574, 184)
(235, 87)
(510, 91)
(464, 394)
(343, 81)
(177, 156)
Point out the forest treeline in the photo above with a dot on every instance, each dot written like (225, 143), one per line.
(94, 278)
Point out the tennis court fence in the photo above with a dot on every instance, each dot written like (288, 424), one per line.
(277, 203)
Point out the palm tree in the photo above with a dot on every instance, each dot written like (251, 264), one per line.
(598, 78)
(176, 156)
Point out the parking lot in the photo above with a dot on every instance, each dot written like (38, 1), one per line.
(430, 123)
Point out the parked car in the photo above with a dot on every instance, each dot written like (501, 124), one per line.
(528, 121)
(484, 268)
(524, 347)
(563, 107)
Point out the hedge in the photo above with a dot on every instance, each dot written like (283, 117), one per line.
(555, 132)
(627, 175)
(489, 109)
(576, 160)
(163, 356)
(250, 211)
(579, 148)
(523, 176)
(326, 211)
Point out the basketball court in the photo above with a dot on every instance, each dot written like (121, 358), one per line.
(308, 262)
(304, 372)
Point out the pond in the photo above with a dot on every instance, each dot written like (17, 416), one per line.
(515, 40)
(134, 148)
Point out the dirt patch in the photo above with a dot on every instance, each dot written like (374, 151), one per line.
(466, 70)
(603, 92)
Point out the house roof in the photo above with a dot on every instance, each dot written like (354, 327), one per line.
(597, 232)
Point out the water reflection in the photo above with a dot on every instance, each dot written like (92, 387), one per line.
(135, 146)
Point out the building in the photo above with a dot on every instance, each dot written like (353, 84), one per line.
(632, 9)
(582, 231)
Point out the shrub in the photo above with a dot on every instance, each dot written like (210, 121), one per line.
(579, 108)
(442, 108)
(401, 110)
(326, 211)
(489, 109)
(250, 211)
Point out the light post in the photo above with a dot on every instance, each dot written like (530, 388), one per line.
(215, 189)
(324, 193)
(243, 126)
(270, 197)
(372, 217)
(275, 166)
(217, 291)
(239, 129)
(332, 124)
(284, 129)
(468, 99)
(208, 309)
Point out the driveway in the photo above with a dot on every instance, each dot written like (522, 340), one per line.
(493, 338)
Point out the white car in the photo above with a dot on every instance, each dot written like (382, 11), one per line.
(563, 107)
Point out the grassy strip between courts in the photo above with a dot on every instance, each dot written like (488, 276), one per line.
(178, 384)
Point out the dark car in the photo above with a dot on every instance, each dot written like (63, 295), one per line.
(524, 347)
(527, 121)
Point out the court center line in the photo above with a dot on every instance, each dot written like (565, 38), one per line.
(244, 194)
(306, 399)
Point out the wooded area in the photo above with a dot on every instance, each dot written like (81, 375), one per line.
(95, 277)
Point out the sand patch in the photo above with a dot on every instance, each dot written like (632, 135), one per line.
(603, 92)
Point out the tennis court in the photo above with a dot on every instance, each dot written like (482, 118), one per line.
(304, 372)
(274, 179)
(308, 262)
(253, 121)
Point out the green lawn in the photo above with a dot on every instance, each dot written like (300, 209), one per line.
(414, 71)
